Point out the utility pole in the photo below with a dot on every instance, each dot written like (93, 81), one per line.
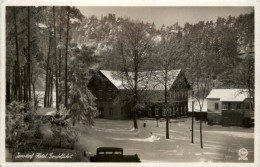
(192, 119)
(66, 59)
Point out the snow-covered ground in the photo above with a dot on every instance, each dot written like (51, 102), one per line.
(221, 144)
(40, 95)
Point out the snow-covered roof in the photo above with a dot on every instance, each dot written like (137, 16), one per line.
(228, 94)
(150, 80)
(113, 78)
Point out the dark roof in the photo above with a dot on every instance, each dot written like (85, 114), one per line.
(109, 149)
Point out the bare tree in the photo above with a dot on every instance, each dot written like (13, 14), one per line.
(164, 61)
(133, 44)
(201, 82)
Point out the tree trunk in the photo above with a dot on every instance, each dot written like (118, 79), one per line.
(48, 88)
(29, 56)
(31, 83)
(14, 83)
(167, 123)
(166, 108)
(34, 95)
(66, 59)
(11, 84)
(135, 119)
(47, 72)
(60, 139)
(17, 58)
(135, 91)
(8, 84)
(60, 49)
(25, 94)
(51, 90)
(250, 85)
(201, 143)
(56, 61)
(60, 96)
(22, 82)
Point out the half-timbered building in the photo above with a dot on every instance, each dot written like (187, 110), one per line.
(107, 86)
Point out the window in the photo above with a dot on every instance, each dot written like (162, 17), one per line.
(247, 106)
(177, 110)
(149, 111)
(110, 111)
(156, 112)
(225, 106)
(216, 106)
(238, 106)
(163, 112)
(171, 111)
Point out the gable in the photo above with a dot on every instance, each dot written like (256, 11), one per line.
(99, 81)
(180, 82)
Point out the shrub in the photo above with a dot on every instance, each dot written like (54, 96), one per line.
(62, 130)
(38, 133)
(72, 136)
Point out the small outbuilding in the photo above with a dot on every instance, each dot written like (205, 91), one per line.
(229, 107)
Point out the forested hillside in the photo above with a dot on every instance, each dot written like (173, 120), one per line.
(220, 49)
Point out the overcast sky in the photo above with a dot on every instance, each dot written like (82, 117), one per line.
(168, 15)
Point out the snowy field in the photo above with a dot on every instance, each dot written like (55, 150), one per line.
(221, 144)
